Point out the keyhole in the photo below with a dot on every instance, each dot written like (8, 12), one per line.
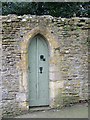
(41, 68)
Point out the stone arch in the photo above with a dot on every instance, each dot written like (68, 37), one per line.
(52, 43)
(44, 32)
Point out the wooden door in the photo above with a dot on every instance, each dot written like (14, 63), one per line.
(38, 72)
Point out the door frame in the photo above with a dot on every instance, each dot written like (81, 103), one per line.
(52, 47)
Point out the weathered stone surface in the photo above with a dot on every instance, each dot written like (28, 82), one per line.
(68, 55)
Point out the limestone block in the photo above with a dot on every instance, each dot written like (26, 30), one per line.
(54, 76)
(52, 90)
(23, 106)
(4, 93)
(54, 68)
(20, 97)
(0, 93)
(1, 114)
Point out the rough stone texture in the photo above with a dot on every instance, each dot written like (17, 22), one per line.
(0, 69)
(68, 69)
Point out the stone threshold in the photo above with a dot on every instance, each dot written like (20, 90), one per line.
(40, 108)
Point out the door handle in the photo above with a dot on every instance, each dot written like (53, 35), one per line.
(40, 68)
(42, 58)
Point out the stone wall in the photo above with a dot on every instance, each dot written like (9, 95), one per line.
(68, 71)
(0, 69)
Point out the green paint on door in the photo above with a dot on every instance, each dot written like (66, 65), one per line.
(38, 72)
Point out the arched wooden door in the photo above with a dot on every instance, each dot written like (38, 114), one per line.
(38, 72)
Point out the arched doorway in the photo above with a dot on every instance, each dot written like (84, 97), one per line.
(38, 64)
(24, 64)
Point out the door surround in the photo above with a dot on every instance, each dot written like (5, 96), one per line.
(52, 45)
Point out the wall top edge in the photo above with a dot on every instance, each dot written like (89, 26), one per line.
(44, 1)
(37, 16)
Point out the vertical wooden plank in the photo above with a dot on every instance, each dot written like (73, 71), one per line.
(43, 77)
(37, 66)
(32, 71)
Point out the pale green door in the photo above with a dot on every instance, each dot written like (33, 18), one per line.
(38, 72)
